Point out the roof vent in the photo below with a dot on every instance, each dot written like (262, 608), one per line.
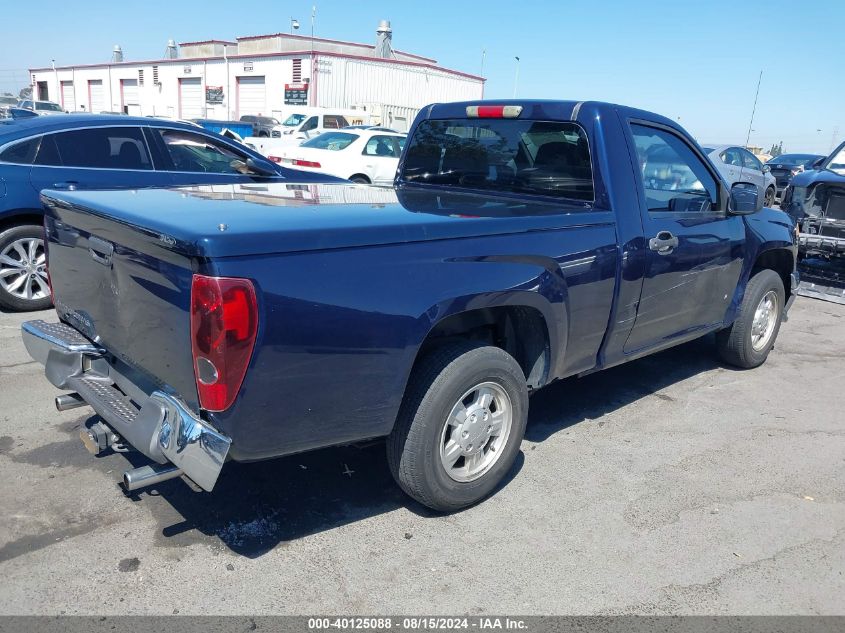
(117, 53)
(384, 39)
(170, 51)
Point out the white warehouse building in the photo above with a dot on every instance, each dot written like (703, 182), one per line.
(267, 75)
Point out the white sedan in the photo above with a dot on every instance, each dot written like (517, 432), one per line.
(366, 156)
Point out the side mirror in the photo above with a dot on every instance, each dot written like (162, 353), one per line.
(260, 169)
(766, 169)
(818, 163)
(745, 199)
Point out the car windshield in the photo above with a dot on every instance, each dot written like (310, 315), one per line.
(51, 107)
(294, 119)
(333, 141)
(791, 160)
(836, 162)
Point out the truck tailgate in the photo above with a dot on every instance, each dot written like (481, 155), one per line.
(125, 288)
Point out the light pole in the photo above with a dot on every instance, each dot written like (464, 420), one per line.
(516, 77)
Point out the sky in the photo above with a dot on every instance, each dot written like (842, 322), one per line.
(695, 62)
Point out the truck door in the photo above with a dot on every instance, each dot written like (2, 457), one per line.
(694, 249)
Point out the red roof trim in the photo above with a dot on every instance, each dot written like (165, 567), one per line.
(185, 61)
(207, 42)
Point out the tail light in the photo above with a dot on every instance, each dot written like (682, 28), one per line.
(47, 260)
(224, 322)
(493, 111)
(275, 159)
(305, 163)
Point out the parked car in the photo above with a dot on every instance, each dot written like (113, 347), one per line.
(83, 151)
(359, 155)
(816, 200)
(42, 107)
(262, 126)
(786, 166)
(518, 248)
(737, 163)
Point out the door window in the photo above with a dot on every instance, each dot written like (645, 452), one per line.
(674, 178)
(194, 152)
(22, 153)
(100, 148)
(750, 161)
(310, 124)
(731, 156)
(382, 146)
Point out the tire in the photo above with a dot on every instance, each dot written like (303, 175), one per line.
(736, 344)
(440, 382)
(263, 135)
(359, 179)
(16, 277)
(769, 198)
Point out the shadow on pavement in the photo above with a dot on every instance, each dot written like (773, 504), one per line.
(256, 507)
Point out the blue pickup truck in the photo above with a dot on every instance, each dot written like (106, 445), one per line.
(523, 242)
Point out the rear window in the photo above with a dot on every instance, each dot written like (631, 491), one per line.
(549, 158)
(334, 141)
(22, 153)
(101, 148)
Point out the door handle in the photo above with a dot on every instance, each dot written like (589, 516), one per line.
(101, 250)
(664, 243)
(70, 185)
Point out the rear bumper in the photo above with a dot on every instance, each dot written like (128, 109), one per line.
(158, 424)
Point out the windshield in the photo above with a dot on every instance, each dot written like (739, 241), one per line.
(791, 160)
(294, 119)
(549, 158)
(836, 162)
(332, 141)
(52, 107)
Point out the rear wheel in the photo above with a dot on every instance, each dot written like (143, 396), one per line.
(460, 426)
(769, 199)
(23, 269)
(360, 179)
(748, 341)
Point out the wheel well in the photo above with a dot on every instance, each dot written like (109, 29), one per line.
(364, 176)
(21, 219)
(779, 260)
(520, 331)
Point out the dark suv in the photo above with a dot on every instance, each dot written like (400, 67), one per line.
(261, 125)
(787, 166)
(86, 151)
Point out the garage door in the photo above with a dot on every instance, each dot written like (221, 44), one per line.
(129, 95)
(96, 96)
(68, 98)
(190, 98)
(252, 98)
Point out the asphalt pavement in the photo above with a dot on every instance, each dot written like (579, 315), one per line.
(673, 484)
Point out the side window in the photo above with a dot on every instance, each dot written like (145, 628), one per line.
(194, 152)
(22, 153)
(101, 148)
(750, 161)
(331, 122)
(310, 124)
(731, 156)
(674, 178)
(381, 146)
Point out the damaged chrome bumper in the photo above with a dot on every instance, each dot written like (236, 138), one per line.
(158, 424)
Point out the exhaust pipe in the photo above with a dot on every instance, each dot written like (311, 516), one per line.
(149, 475)
(69, 401)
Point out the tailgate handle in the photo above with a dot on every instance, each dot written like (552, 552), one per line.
(101, 250)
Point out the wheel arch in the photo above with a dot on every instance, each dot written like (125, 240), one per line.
(21, 217)
(364, 176)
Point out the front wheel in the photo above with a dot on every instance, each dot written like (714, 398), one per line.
(460, 426)
(748, 341)
(769, 199)
(23, 269)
